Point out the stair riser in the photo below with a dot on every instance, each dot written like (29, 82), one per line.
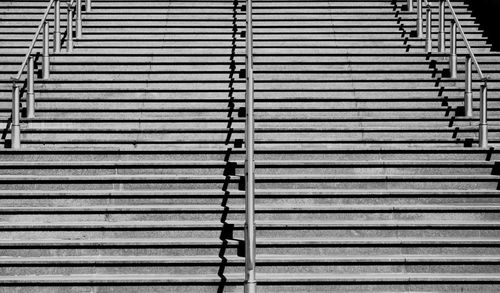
(239, 268)
(231, 251)
(278, 232)
(261, 154)
(217, 123)
(236, 198)
(235, 77)
(239, 216)
(230, 136)
(339, 184)
(159, 67)
(261, 169)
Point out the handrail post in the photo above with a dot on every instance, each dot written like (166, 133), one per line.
(483, 123)
(46, 57)
(453, 50)
(88, 5)
(69, 27)
(428, 39)
(78, 19)
(15, 136)
(468, 86)
(250, 284)
(410, 5)
(57, 26)
(441, 41)
(30, 100)
(419, 19)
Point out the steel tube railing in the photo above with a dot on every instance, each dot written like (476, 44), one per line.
(483, 107)
(250, 284)
(470, 59)
(29, 61)
(453, 50)
(45, 53)
(483, 114)
(30, 100)
(69, 27)
(441, 37)
(57, 26)
(468, 87)
(15, 138)
(410, 5)
(419, 19)
(428, 30)
(35, 38)
(466, 41)
(88, 5)
(78, 30)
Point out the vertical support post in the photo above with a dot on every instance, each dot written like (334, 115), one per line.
(468, 87)
(453, 50)
(250, 284)
(30, 100)
(483, 123)
(45, 54)
(441, 40)
(410, 5)
(57, 26)
(78, 19)
(88, 5)
(419, 19)
(69, 27)
(15, 135)
(428, 39)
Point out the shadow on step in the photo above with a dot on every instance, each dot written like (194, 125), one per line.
(230, 168)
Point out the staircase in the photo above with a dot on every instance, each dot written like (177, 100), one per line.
(130, 178)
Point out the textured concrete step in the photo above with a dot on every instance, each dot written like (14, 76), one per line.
(263, 167)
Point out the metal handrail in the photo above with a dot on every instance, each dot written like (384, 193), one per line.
(250, 284)
(33, 42)
(470, 59)
(466, 41)
(30, 62)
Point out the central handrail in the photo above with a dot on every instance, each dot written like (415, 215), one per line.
(250, 284)
(33, 42)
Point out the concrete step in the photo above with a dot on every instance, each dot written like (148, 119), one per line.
(131, 182)
(348, 201)
(269, 264)
(280, 210)
(236, 167)
(273, 229)
(291, 153)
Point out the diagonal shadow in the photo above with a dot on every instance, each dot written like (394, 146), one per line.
(437, 75)
(230, 167)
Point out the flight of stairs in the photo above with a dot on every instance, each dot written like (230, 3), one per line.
(130, 177)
